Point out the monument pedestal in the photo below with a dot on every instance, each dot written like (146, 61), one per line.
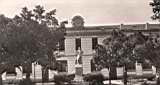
(78, 73)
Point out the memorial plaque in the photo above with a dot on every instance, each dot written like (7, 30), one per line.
(19, 73)
(139, 70)
(105, 72)
(119, 71)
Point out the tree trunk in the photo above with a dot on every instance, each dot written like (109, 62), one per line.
(45, 74)
(27, 69)
(1, 82)
(27, 80)
(125, 75)
(109, 75)
(158, 76)
(28, 75)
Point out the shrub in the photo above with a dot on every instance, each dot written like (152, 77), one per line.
(95, 78)
(61, 78)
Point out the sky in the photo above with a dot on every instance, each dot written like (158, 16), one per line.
(93, 11)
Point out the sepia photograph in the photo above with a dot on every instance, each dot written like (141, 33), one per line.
(79, 42)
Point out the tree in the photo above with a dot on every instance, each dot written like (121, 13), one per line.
(4, 59)
(26, 40)
(62, 78)
(44, 37)
(50, 19)
(156, 16)
(38, 13)
(117, 50)
(94, 78)
(109, 55)
(26, 14)
(156, 9)
(150, 50)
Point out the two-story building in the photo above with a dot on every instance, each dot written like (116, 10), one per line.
(87, 37)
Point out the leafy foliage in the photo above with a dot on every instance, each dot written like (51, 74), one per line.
(60, 78)
(156, 9)
(150, 50)
(120, 49)
(94, 78)
(25, 39)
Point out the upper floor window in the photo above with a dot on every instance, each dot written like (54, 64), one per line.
(78, 43)
(94, 42)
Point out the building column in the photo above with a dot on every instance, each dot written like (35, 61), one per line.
(86, 64)
(71, 64)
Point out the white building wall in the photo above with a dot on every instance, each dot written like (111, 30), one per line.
(70, 46)
(71, 65)
(86, 64)
(86, 45)
(4, 76)
(154, 70)
(19, 73)
(38, 72)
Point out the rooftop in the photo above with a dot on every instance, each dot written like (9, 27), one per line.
(103, 30)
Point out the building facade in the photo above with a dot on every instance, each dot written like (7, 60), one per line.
(87, 37)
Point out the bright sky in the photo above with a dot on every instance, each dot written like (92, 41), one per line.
(94, 11)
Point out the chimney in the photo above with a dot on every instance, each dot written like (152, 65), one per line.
(146, 26)
(121, 26)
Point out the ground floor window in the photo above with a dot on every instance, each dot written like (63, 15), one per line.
(146, 65)
(27, 68)
(11, 70)
(62, 66)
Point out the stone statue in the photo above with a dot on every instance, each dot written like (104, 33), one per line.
(78, 67)
(79, 56)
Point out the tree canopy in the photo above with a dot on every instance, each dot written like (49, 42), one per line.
(28, 38)
(120, 48)
(155, 4)
(115, 51)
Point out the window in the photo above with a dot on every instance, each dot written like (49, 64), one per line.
(131, 67)
(27, 68)
(61, 46)
(11, 70)
(62, 66)
(146, 65)
(94, 43)
(78, 43)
